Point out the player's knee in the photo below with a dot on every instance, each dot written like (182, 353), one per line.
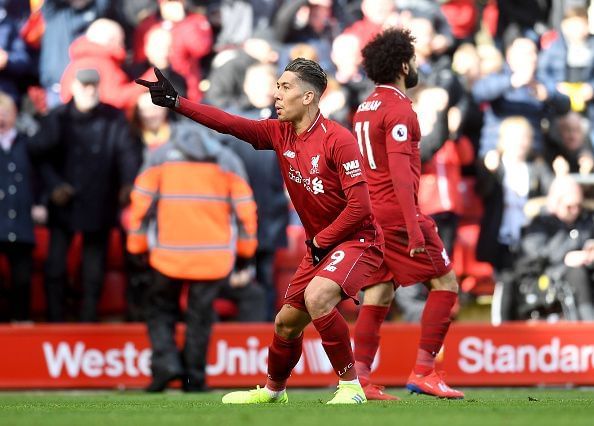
(379, 295)
(286, 329)
(320, 300)
(447, 282)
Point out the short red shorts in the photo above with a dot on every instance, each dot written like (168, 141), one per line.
(404, 270)
(350, 265)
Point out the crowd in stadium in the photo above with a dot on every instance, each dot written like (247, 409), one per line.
(505, 105)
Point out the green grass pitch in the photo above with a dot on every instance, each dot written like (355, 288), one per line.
(482, 407)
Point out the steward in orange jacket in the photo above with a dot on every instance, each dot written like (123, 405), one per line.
(192, 207)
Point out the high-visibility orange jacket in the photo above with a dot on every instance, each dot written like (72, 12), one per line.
(192, 207)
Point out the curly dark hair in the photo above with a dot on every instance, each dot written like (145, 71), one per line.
(384, 55)
(310, 72)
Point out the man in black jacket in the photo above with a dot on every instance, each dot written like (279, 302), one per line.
(559, 244)
(16, 202)
(87, 160)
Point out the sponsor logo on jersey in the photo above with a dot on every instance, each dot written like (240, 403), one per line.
(351, 165)
(288, 153)
(317, 186)
(400, 133)
(314, 165)
(369, 106)
(352, 168)
(295, 175)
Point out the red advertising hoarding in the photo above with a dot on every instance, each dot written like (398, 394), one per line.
(118, 356)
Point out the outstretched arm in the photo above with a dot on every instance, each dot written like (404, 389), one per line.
(255, 132)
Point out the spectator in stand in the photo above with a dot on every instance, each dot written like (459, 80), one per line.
(16, 203)
(193, 214)
(102, 48)
(517, 91)
(567, 65)
(192, 40)
(377, 14)
(65, 20)
(15, 61)
(151, 125)
(346, 56)
(492, 60)
(559, 244)
(87, 163)
(559, 8)
(228, 69)
(507, 179)
(465, 118)
(241, 19)
(568, 148)
(463, 17)
(130, 13)
(306, 21)
(519, 19)
(435, 69)
(157, 50)
(443, 40)
(265, 178)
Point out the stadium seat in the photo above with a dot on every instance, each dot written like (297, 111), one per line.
(472, 204)
(475, 277)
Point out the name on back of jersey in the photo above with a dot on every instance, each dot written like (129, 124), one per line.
(369, 106)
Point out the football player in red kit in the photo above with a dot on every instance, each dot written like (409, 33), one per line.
(388, 134)
(321, 166)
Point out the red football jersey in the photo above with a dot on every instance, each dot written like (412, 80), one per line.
(318, 165)
(386, 123)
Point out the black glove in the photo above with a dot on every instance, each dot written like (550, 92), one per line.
(242, 263)
(317, 254)
(162, 91)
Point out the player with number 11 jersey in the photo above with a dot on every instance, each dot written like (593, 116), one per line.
(388, 134)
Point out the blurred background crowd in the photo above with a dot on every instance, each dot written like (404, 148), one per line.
(110, 204)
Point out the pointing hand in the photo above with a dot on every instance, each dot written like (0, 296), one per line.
(162, 91)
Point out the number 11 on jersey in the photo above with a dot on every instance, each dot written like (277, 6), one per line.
(362, 131)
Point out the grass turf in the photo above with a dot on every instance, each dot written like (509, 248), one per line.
(482, 407)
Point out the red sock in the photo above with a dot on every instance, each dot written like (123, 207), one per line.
(367, 337)
(434, 327)
(336, 341)
(283, 355)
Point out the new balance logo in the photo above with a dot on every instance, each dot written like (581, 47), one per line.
(351, 165)
(288, 153)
